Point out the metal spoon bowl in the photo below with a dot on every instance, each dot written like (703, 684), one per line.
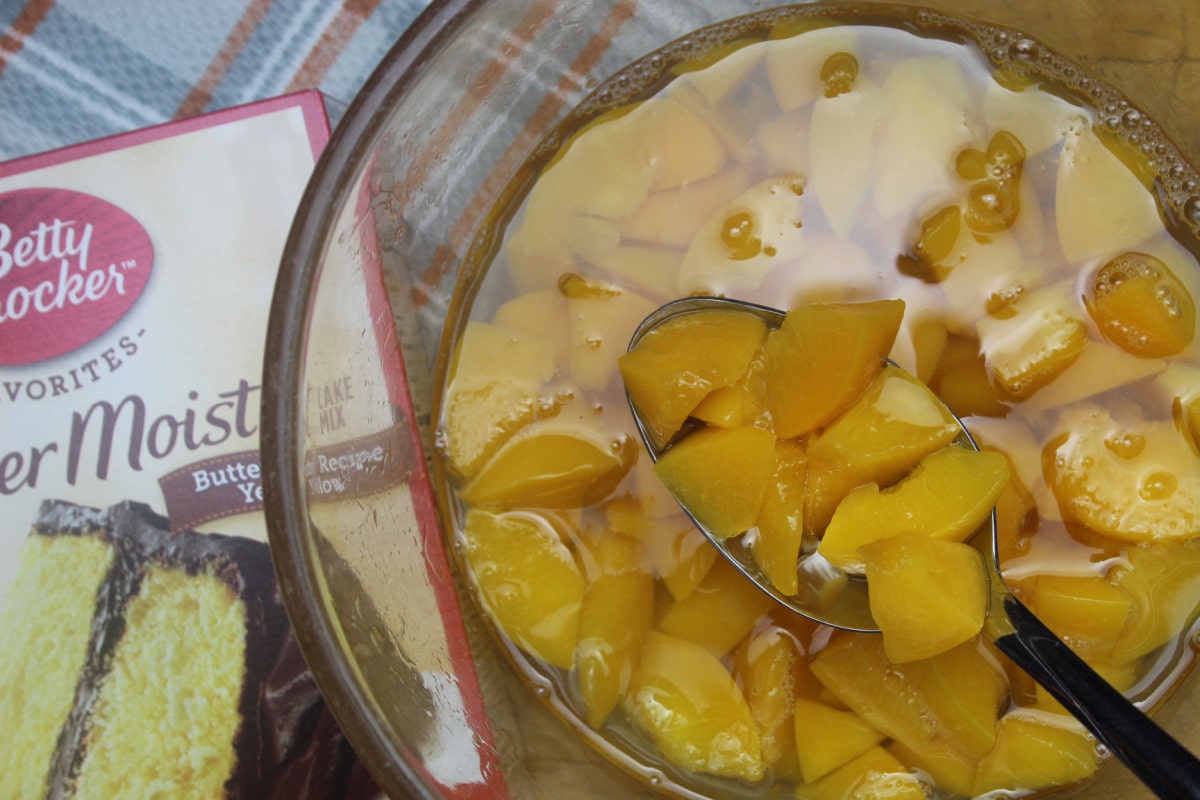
(1157, 759)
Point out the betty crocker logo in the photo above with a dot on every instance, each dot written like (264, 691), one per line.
(71, 265)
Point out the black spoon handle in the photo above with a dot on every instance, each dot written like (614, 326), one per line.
(1164, 765)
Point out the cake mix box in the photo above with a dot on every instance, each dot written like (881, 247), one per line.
(144, 649)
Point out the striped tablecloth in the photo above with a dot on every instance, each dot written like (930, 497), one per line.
(75, 70)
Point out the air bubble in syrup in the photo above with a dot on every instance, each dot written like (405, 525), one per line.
(1023, 50)
(1191, 208)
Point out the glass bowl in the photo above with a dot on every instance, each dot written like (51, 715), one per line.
(407, 666)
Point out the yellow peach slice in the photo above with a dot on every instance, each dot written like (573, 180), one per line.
(926, 595)
(651, 270)
(770, 667)
(541, 314)
(1135, 482)
(794, 62)
(952, 699)
(1163, 580)
(876, 774)
(530, 583)
(948, 496)
(923, 132)
(680, 555)
(600, 327)
(721, 611)
(961, 380)
(676, 143)
(1036, 751)
(672, 217)
(783, 141)
(827, 738)
(823, 357)
(1141, 306)
(686, 701)
(676, 364)
(743, 403)
(737, 245)
(566, 462)
(1085, 610)
(737, 61)
(720, 476)
(1101, 206)
(896, 423)
(780, 524)
(950, 769)
(496, 388)
(1035, 343)
(1099, 368)
(615, 615)
(842, 147)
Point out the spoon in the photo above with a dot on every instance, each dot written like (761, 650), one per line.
(1158, 760)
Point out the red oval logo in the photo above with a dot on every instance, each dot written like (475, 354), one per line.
(71, 265)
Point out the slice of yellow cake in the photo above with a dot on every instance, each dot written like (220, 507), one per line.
(45, 627)
(133, 660)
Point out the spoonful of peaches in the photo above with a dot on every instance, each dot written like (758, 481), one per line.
(845, 489)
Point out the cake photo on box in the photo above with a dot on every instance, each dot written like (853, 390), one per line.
(133, 660)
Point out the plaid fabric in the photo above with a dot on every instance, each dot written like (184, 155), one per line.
(75, 70)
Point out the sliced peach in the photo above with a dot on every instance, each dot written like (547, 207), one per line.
(496, 387)
(1036, 751)
(783, 142)
(1099, 368)
(567, 462)
(794, 61)
(686, 701)
(720, 476)
(530, 583)
(823, 357)
(601, 325)
(616, 614)
(965, 689)
(1087, 611)
(961, 380)
(874, 775)
(672, 217)
(1134, 481)
(678, 552)
(935, 245)
(676, 364)
(1035, 343)
(780, 524)
(737, 61)
(1141, 306)
(926, 127)
(541, 314)
(842, 151)
(953, 698)
(879, 439)
(827, 738)
(602, 158)
(948, 496)
(771, 668)
(721, 611)
(652, 270)
(738, 244)
(743, 403)
(677, 144)
(1163, 580)
(1101, 207)
(926, 595)
(950, 769)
